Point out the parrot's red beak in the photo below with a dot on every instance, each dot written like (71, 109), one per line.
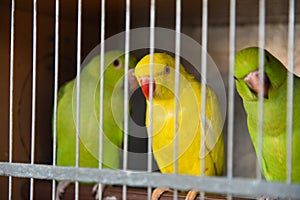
(145, 85)
(252, 80)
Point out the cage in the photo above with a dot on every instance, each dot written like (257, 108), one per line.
(45, 44)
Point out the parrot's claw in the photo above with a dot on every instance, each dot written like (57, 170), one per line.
(191, 195)
(95, 190)
(156, 194)
(60, 189)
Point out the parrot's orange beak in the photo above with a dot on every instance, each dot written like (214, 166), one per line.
(252, 80)
(145, 85)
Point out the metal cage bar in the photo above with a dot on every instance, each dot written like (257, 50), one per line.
(203, 86)
(78, 70)
(55, 100)
(230, 127)
(11, 93)
(150, 128)
(246, 187)
(33, 101)
(127, 44)
(290, 91)
(101, 91)
(261, 44)
(177, 85)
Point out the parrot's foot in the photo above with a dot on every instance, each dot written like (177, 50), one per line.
(156, 194)
(191, 195)
(60, 189)
(95, 190)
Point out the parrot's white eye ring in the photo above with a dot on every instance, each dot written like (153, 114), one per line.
(117, 63)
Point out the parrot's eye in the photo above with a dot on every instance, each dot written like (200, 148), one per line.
(117, 63)
(166, 70)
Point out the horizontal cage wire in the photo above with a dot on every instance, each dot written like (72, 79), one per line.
(123, 100)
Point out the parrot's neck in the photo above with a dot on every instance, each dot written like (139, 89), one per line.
(274, 123)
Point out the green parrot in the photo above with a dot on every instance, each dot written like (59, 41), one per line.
(113, 101)
(274, 136)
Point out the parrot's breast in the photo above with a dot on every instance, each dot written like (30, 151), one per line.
(188, 135)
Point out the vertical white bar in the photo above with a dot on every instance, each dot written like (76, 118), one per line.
(33, 105)
(11, 92)
(77, 148)
(203, 85)
(230, 126)
(101, 91)
(150, 128)
(290, 91)
(56, 54)
(261, 44)
(127, 43)
(203, 80)
(177, 82)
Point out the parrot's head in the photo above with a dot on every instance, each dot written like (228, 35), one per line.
(115, 68)
(163, 75)
(247, 78)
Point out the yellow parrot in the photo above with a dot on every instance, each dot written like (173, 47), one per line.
(189, 157)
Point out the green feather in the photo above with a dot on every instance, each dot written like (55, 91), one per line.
(89, 114)
(273, 161)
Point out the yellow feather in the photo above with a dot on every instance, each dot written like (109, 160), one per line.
(189, 125)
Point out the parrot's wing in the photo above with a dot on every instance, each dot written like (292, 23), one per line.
(213, 121)
(211, 136)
